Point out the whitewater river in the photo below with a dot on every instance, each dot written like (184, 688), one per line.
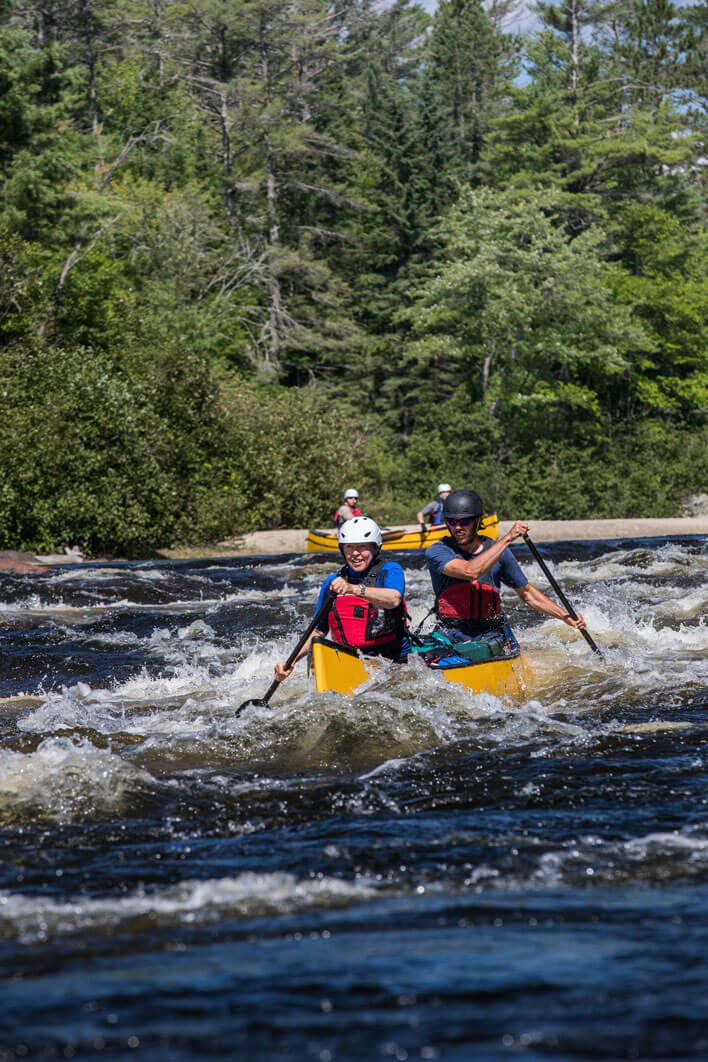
(415, 873)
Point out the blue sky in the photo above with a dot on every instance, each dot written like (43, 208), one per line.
(521, 22)
(524, 19)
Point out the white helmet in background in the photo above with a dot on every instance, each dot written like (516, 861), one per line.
(351, 493)
(444, 487)
(360, 530)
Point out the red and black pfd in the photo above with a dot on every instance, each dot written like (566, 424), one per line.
(470, 605)
(356, 622)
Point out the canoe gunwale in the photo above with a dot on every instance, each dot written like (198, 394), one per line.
(352, 668)
(340, 647)
(325, 540)
(344, 669)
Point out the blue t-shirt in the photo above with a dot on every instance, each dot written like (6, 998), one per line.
(390, 576)
(506, 570)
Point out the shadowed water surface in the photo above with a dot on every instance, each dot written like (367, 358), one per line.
(415, 872)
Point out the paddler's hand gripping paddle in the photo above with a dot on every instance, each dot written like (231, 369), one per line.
(261, 702)
(569, 608)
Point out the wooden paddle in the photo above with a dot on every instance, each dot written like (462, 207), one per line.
(569, 608)
(261, 702)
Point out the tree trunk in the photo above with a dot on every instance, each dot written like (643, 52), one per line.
(275, 316)
(275, 313)
(226, 154)
(575, 76)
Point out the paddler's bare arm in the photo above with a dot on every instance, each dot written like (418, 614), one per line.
(482, 562)
(282, 671)
(378, 596)
(538, 600)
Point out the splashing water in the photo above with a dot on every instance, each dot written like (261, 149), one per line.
(414, 872)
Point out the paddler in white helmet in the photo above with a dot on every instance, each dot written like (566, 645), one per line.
(350, 509)
(434, 509)
(368, 611)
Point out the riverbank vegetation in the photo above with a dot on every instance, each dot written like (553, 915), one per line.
(254, 251)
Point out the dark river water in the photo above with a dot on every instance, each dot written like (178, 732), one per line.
(415, 873)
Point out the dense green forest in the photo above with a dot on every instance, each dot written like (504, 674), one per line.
(254, 251)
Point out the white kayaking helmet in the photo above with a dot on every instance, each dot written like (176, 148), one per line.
(351, 493)
(360, 530)
(444, 486)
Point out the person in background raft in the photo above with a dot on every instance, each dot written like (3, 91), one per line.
(349, 510)
(369, 610)
(466, 571)
(434, 508)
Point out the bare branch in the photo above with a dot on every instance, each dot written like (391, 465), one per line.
(329, 234)
(324, 193)
(148, 137)
(78, 254)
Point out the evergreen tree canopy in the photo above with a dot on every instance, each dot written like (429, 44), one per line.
(252, 242)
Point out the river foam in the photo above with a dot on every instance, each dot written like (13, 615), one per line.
(67, 780)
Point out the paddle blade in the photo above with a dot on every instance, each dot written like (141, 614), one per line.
(254, 702)
(262, 702)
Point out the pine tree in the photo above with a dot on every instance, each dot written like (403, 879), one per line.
(581, 127)
(255, 69)
(38, 147)
(467, 63)
(522, 318)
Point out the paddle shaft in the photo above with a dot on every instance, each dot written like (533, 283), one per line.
(262, 701)
(569, 608)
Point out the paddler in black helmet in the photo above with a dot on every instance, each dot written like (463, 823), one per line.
(467, 571)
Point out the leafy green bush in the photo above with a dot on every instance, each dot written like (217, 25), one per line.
(642, 474)
(645, 474)
(107, 455)
(125, 456)
(291, 454)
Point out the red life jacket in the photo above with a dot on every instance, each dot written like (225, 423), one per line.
(354, 621)
(354, 512)
(469, 600)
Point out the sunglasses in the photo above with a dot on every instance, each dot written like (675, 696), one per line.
(464, 521)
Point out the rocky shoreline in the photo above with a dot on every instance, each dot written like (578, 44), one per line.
(268, 543)
(288, 540)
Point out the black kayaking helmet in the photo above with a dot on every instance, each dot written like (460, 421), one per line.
(463, 503)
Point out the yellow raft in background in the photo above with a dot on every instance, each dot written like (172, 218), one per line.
(341, 669)
(399, 538)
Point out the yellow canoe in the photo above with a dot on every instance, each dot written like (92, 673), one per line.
(399, 538)
(341, 669)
